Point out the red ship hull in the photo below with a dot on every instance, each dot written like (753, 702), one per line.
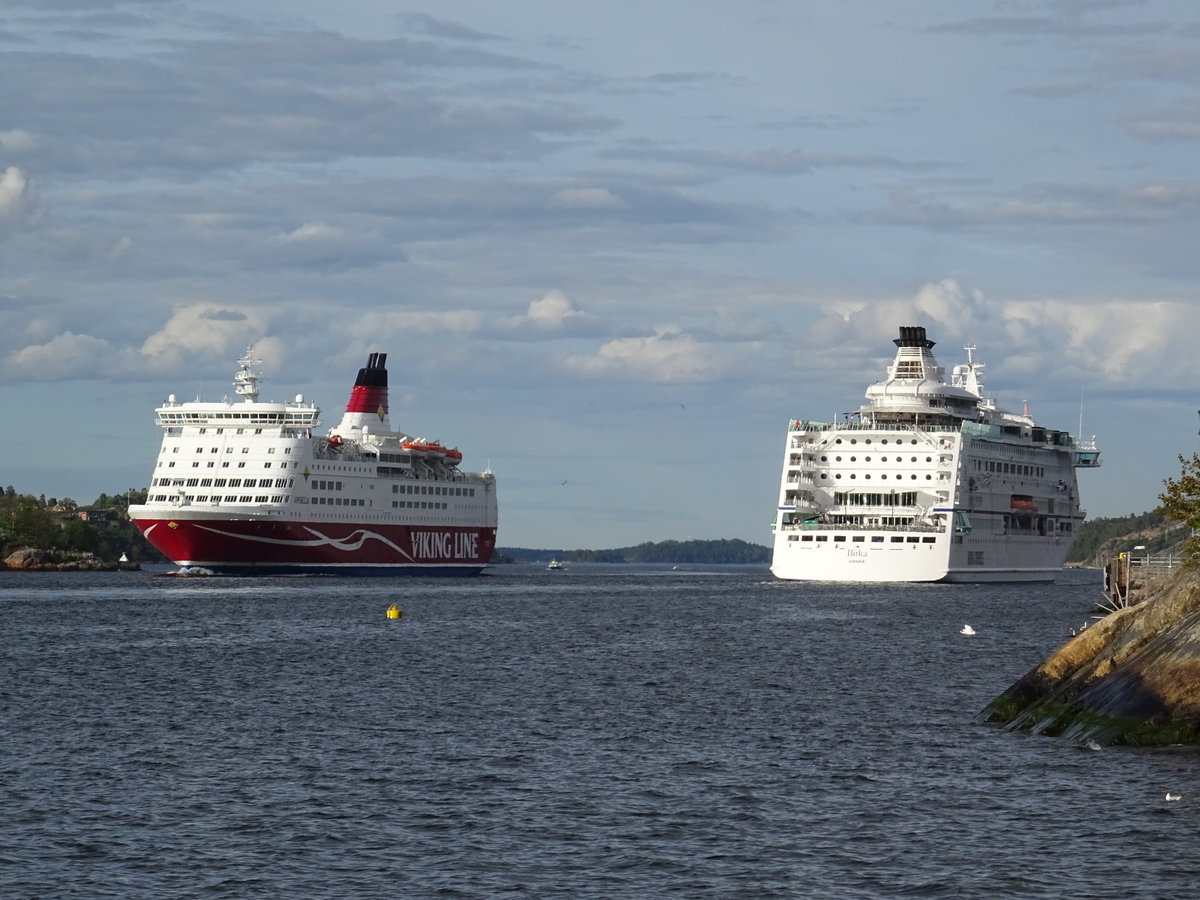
(273, 547)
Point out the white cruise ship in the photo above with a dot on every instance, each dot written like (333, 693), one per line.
(928, 481)
(251, 488)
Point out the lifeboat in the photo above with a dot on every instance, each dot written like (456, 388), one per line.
(453, 456)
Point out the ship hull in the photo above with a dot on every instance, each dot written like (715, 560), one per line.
(257, 546)
(911, 557)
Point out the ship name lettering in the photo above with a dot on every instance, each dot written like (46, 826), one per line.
(444, 545)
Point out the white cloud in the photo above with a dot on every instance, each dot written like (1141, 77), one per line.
(310, 231)
(587, 198)
(552, 309)
(204, 329)
(18, 199)
(67, 355)
(121, 247)
(400, 323)
(667, 357)
(16, 141)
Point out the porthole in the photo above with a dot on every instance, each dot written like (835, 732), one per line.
(854, 459)
(838, 441)
(838, 475)
(824, 459)
(867, 441)
(854, 440)
(837, 459)
(884, 441)
(914, 459)
(852, 476)
(914, 477)
(929, 459)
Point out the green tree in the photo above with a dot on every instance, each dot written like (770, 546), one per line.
(79, 535)
(1180, 502)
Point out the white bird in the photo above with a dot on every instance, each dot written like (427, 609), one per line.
(1091, 744)
(967, 629)
(1169, 796)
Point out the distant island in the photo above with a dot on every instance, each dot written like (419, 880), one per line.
(728, 552)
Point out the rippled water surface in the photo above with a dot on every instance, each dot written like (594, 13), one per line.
(604, 731)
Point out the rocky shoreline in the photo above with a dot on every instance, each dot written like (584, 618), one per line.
(1131, 678)
(29, 559)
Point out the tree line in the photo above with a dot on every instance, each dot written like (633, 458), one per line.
(55, 524)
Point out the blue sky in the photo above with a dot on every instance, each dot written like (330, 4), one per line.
(609, 251)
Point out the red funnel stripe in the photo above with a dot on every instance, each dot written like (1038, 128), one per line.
(370, 394)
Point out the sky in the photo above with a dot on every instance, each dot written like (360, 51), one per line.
(610, 250)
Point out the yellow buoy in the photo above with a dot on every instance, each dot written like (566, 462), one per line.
(394, 612)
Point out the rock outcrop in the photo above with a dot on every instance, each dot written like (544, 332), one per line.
(1131, 678)
(29, 559)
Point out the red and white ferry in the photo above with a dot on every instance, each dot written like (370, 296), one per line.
(249, 488)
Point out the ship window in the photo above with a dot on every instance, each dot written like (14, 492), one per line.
(839, 538)
(913, 539)
(897, 539)
(806, 537)
(854, 459)
(199, 449)
(266, 465)
(174, 449)
(929, 478)
(852, 476)
(867, 441)
(914, 459)
(245, 498)
(877, 539)
(854, 440)
(195, 465)
(858, 538)
(245, 449)
(928, 540)
(913, 477)
(793, 537)
(241, 465)
(270, 449)
(821, 538)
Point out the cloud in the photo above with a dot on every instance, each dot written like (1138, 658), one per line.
(17, 141)
(68, 355)
(666, 357)
(587, 198)
(18, 199)
(203, 330)
(550, 311)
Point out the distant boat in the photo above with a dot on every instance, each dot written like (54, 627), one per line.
(555, 564)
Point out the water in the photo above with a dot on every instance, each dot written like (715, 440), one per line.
(602, 732)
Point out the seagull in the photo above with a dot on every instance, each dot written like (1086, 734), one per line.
(966, 629)
(1169, 796)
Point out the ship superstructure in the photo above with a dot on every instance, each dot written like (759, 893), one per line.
(927, 481)
(250, 487)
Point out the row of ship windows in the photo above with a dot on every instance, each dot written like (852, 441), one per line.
(216, 499)
(436, 489)
(222, 482)
(868, 440)
(225, 465)
(941, 476)
(230, 450)
(418, 504)
(899, 459)
(862, 538)
(988, 465)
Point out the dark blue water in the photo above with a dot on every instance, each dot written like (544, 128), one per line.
(601, 732)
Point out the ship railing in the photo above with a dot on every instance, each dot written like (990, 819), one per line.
(807, 425)
(851, 526)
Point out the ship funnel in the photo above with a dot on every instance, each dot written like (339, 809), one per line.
(913, 336)
(368, 404)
